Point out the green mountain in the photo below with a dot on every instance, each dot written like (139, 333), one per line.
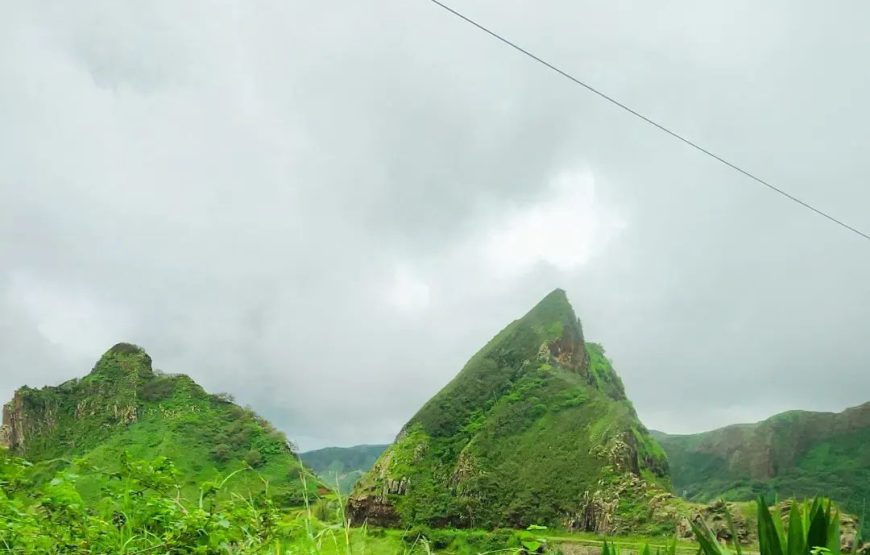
(535, 429)
(342, 465)
(796, 453)
(123, 408)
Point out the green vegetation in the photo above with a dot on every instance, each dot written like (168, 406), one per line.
(141, 511)
(532, 448)
(811, 527)
(341, 467)
(534, 421)
(124, 407)
(794, 454)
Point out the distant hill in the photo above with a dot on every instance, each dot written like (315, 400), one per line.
(342, 465)
(535, 429)
(796, 453)
(124, 407)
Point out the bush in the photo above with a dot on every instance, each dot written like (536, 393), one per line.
(254, 459)
(221, 452)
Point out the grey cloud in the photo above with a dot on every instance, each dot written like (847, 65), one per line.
(234, 187)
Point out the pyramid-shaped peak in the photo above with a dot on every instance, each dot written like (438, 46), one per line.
(124, 358)
(534, 423)
(555, 304)
(554, 312)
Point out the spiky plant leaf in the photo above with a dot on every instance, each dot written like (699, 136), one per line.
(769, 536)
(707, 541)
(796, 530)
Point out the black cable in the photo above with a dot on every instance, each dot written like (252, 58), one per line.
(651, 122)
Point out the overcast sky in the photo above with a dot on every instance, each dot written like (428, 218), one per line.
(325, 208)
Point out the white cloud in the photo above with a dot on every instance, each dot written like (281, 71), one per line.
(408, 291)
(565, 228)
(82, 326)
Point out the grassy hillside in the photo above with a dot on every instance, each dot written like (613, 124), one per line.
(124, 409)
(535, 429)
(341, 467)
(796, 453)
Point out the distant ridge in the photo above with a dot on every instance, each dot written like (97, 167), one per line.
(341, 467)
(795, 453)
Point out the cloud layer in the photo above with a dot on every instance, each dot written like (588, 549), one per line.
(326, 210)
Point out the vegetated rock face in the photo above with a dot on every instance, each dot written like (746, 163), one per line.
(123, 405)
(535, 429)
(38, 422)
(796, 453)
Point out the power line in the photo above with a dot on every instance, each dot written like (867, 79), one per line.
(658, 126)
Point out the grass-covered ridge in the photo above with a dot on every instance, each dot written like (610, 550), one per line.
(797, 453)
(124, 407)
(528, 432)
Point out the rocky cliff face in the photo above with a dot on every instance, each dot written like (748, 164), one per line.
(532, 427)
(12, 433)
(794, 453)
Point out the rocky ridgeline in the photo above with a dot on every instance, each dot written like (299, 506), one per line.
(36, 421)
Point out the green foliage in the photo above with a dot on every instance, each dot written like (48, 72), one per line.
(140, 511)
(254, 459)
(812, 527)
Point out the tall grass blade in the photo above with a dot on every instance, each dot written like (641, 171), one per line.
(733, 531)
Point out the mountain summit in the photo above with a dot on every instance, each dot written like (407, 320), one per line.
(124, 407)
(535, 429)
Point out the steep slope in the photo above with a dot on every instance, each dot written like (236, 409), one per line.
(123, 406)
(536, 428)
(342, 466)
(796, 453)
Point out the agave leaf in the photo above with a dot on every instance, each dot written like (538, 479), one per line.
(834, 530)
(769, 538)
(796, 532)
(706, 540)
(817, 532)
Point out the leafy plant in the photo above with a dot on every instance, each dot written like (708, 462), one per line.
(531, 540)
(812, 527)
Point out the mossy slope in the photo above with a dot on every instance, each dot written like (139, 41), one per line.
(796, 453)
(535, 424)
(125, 406)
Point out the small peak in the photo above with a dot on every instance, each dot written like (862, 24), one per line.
(126, 349)
(554, 320)
(555, 307)
(124, 358)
